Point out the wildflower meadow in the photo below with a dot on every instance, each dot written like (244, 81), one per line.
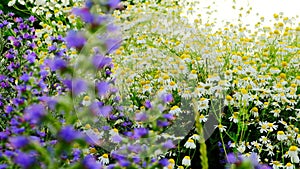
(154, 84)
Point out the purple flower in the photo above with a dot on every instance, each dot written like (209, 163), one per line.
(105, 111)
(9, 109)
(31, 57)
(161, 123)
(169, 116)
(14, 122)
(58, 64)
(100, 61)
(148, 104)
(34, 113)
(167, 98)
(25, 160)
(254, 159)
(141, 117)
(84, 14)
(4, 135)
(113, 3)
(8, 153)
(264, 166)
(102, 88)
(136, 159)
(233, 158)
(31, 19)
(140, 132)
(124, 163)
(168, 144)
(51, 102)
(43, 73)
(136, 148)
(75, 39)
(11, 14)
(3, 166)
(52, 48)
(90, 163)
(25, 77)
(164, 162)
(18, 19)
(116, 138)
(79, 86)
(112, 44)
(68, 134)
(18, 141)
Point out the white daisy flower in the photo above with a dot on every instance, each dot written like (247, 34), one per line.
(281, 136)
(190, 144)
(293, 154)
(186, 161)
(104, 159)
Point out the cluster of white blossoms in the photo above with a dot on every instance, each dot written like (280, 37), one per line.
(256, 73)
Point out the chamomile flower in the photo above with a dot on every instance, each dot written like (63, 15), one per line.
(195, 137)
(171, 164)
(114, 132)
(281, 136)
(229, 100)
(203, 118)
(190, 144)
(234, 117)
(104, 159)
(293, 154)
(254, 110)
(203, 104)
(289, 166)
(221, 127)
(193, 74)
(276, 164)
(175, 110)
(186, 161)
(86, 101)
(263, 127)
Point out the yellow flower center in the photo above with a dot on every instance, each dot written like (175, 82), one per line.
(293, 148)
(105, 155)
(280, 133)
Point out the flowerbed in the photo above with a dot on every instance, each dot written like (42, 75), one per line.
(104, 84)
